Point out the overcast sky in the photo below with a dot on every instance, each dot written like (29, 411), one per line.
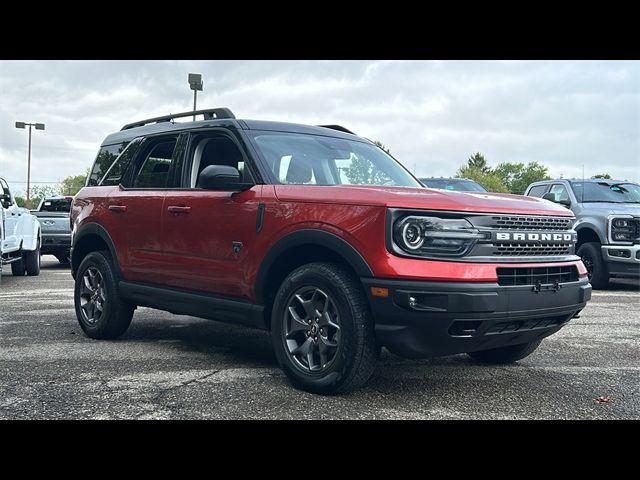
(432, 114)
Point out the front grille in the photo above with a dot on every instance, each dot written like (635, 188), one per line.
(508, 277)
(524, 249)
(531, 223)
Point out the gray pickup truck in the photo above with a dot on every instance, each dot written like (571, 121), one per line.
(53, 215)
(608, 223)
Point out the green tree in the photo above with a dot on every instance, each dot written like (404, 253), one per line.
(518, 176)
(71, 185)
(478, 162)
(38, 192)
(488, 180)
(20, 201)
(602, 175)
(362, 172)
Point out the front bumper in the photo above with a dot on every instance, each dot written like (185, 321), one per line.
(623, 260)
(446, 318)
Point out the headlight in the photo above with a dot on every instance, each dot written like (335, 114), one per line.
(434, 236)
(623, 230)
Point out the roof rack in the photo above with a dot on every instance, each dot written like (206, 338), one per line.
(337, 127)
(209, 114)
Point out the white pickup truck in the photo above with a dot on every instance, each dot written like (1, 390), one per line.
(20, 235)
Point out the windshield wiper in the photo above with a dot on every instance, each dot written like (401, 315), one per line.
(601, 201)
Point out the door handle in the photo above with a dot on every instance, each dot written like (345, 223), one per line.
(178, 209)
(118, 208)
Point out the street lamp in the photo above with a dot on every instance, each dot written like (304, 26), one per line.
(195, 83)
(39, 126)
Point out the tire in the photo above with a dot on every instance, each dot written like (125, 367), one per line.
(101, 313)
(505, 354)
(343, 358)
(64, 259)
(598, 271)
(32, 262)
(18, 268)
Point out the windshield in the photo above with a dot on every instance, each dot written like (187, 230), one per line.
(317, 160)
(453, 184)
(56, 205)
(606, 192)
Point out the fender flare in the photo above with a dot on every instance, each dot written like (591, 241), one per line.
(97, 230)
(320, 238)
(31, 235)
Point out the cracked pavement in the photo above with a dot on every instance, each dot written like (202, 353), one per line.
(177, 367)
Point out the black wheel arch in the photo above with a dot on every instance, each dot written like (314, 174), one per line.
(89, 238)
(313, 239)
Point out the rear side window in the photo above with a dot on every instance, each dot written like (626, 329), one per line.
(113, 176)
(106, 156)
(56, 205)
(154, 172)
(537, 191)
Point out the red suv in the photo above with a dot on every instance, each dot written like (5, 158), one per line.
(322, 238)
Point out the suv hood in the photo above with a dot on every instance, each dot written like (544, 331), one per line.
(612, 208)
(421, 198)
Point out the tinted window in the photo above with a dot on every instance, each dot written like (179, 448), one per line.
(537, 191)
(56, 205)
(154, 171)
(106, 156)
(113, 175)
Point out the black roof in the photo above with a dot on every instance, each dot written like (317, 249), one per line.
(164, 124)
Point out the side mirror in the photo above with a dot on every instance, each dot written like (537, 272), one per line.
(5, 199)
(552, 198)
(221, 177)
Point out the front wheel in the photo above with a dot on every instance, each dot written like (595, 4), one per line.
(322, 330)
(100, 310)
(505, 354)
(591, 255)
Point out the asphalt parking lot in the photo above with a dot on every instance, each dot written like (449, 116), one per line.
(169, 366)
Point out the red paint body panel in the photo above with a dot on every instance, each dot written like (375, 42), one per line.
(193, 249)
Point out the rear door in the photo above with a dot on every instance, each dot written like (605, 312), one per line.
(208, 235)
(135, 208)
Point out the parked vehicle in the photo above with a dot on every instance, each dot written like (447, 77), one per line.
(456, 184)
(322, 238)
(20, 236)
(608, 223)
(53, 215)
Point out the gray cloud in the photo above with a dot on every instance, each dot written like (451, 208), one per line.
(432, 114)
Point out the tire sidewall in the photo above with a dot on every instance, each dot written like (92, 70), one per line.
(102, 263)
(600, 274)
(342, 362)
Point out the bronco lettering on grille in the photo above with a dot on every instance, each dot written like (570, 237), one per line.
(535, 237)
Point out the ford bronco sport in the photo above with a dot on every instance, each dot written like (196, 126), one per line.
(322, 238)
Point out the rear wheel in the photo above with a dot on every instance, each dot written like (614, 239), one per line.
(506, 354)
(100, 310)
(65, 259)
(18, 268)
(32, 261)
(322, 330)
(591, 255)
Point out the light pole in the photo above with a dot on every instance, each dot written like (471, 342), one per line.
(39, 126)
(195, 83)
